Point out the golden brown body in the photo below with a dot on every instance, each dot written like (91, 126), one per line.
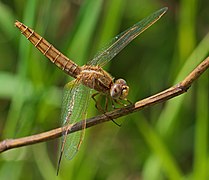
(49, 51)
(93, 77)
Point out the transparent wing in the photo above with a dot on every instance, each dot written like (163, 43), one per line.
(123, 39)
(79, 112)
(75, 101)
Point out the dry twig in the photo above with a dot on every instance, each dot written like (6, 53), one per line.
(163, 96)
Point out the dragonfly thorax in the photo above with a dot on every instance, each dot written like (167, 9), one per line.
(97, 78)
(119, 89)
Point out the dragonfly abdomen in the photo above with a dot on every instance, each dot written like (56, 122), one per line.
(49, 51)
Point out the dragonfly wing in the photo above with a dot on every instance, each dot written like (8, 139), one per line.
(75, 102)
(123, 39)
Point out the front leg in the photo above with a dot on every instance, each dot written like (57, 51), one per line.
(101, 110)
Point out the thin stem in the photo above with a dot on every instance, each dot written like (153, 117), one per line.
(163, 96)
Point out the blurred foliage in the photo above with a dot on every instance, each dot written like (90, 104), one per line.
(167, 141)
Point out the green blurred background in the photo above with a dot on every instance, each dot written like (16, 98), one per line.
(167, 141)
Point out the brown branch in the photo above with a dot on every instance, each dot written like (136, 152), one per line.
(174, 91)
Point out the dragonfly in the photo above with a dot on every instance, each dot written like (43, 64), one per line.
(88, 77)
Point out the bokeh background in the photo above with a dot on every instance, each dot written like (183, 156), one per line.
(167, 141)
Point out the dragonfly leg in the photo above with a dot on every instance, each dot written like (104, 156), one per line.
(100, 109)
(106, 103)
(93, 97)
(130, 103)
(113, 104)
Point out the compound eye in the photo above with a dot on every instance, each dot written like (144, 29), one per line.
(120, 81)
(115, 91)
(119, 89)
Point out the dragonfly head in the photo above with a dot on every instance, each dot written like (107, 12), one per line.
(119, 89)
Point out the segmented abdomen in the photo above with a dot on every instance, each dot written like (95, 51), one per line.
(49, 51)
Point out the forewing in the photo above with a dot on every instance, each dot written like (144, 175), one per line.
(75, 102)
(79, 112)
(123, 39)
